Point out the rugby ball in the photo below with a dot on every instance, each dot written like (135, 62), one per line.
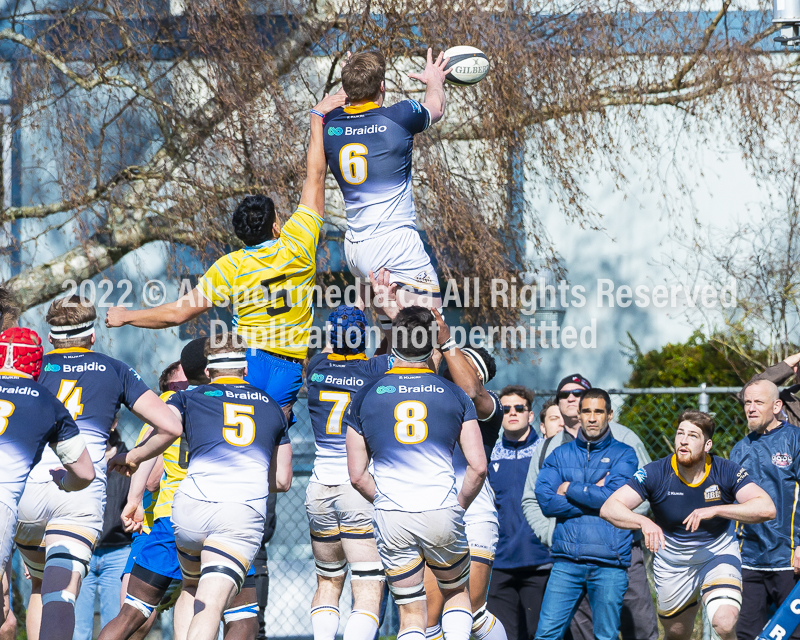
(467, 65)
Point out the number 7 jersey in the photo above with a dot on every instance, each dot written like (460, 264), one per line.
(411, 420)
(368, 149)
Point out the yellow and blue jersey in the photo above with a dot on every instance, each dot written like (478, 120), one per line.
(368, 149)
(411, 420)
(270, 286)
(30, 418)
(332, 381)
(673, 499)
(773, 461)
(231, 428)
(149, 497)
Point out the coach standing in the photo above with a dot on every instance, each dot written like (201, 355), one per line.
(771, 454)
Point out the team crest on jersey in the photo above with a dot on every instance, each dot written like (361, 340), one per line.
(712, 493)
(317, 377)
(782, 460)
(215, 393)
(52, 367)
(640, 475)
(423, 276)
(335, 131)
(387, 389)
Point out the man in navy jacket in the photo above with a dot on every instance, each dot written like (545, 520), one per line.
(590, 555)
(771, 454)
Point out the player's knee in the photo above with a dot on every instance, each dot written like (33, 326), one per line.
(459, 583)
(407, 595)
(722, 609)
(68, 554)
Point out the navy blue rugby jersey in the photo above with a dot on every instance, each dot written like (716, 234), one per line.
(92, 387)
(672, 499)
(411, 420)
(368, 149)
(30, 418)
(231, 430)
(332, 381)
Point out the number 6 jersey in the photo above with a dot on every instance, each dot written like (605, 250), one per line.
(333, 380)
(411, 420)
(231, 428)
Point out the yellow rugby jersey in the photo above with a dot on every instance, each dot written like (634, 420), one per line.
(271, 286)
(149, 498)
(175, 465)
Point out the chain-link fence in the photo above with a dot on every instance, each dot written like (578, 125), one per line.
(651, 413)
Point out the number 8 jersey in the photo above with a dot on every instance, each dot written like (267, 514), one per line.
(368, 149)
(411, 420)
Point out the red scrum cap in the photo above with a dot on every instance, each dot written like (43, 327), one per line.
(21, 349)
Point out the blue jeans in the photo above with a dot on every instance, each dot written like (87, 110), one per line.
(105, 576)
(604, 587)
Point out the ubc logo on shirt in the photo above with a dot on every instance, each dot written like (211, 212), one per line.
(782, 460)
(712, 493)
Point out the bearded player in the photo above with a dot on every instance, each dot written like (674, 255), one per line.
(368, 147)
(695, 498)
(339, 517)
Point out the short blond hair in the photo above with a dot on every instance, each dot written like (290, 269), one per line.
(70, 311)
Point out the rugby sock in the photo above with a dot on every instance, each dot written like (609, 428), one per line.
(361, 625)
(487, 627)
(456, 624)
(325, 622)
(412, 633)
(434, 632)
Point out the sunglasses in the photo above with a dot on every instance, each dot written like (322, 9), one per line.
(563, 395)
(519, 408)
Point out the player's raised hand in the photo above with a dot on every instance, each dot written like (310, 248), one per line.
(653, 535)
(434, 71)
(793, 361)
(385, 293)
(694, 519)
(115, 316)
(331, 102)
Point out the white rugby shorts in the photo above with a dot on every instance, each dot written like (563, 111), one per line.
(685, 574)
(8, 523)
(46, 509)
(231, 530)
(407, 539)
(401, 252)
(482, 538)
(338, 511)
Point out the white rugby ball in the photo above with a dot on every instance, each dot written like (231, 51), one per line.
(467, 65)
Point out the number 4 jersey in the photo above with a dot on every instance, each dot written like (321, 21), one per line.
(368, 149)
(411, 420)
(333, 380)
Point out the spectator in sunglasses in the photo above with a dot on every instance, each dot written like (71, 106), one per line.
(522, 563)
(638, 612)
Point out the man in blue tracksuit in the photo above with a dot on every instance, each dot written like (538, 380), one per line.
(771, 454)
(522, 563)
(590, 555)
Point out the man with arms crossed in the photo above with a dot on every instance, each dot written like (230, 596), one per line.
(368, 147)
(56, 531)
(239, 450)
(339, 517)
(692, 494)
(771, 453)
(418, 513)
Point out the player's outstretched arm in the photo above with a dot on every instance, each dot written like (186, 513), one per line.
(280, 469)
(313, 195)
(153, 410)
(358, 465)
(753, 505)
(163, 316)
(433, 77)
(471, 443)
(618, 510)
(158, 442)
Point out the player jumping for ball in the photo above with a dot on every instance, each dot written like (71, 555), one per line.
(695, 496)
(368, 147)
